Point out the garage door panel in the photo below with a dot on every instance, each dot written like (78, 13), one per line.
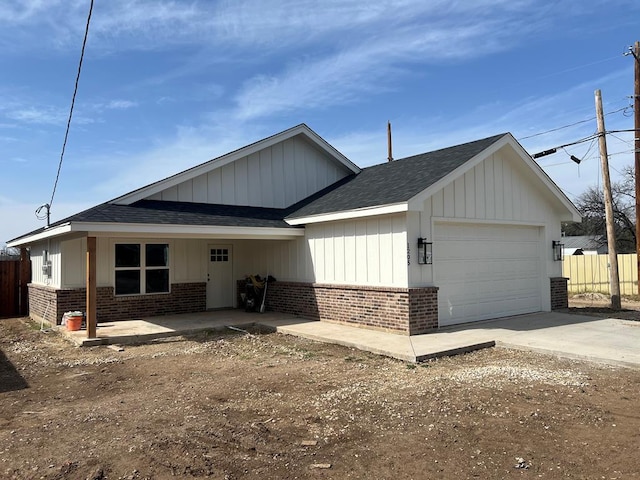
(486, 271)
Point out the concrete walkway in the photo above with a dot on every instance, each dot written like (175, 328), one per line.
(610, 341)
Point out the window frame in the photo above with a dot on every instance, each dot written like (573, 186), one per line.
(142, 268)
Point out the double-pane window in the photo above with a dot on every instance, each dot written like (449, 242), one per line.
(141, 268)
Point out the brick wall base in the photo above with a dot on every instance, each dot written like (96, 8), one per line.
(559, 293)
(50, 303)
(408, 311)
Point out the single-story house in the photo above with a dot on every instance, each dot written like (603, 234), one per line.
(456, 235)
(584, 245)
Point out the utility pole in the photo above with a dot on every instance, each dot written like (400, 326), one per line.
(614, 281)
(636, 136)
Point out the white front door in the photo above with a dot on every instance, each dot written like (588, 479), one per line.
(220, 277)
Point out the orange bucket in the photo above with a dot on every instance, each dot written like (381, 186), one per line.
(74, 323)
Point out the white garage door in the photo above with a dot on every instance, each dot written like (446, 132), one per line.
(486, 271)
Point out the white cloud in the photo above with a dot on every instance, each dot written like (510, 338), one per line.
(117, 104)
(121, 104)
(43, 115)
(375, 60)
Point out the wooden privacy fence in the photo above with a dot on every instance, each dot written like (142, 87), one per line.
(590, 273)
(14, 277)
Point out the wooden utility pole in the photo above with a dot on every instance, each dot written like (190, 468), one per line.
(614, 280)
(636, 136)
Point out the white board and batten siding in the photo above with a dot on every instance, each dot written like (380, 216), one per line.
(369, 251)
(37, 253)
(490, 230)
(275, 177)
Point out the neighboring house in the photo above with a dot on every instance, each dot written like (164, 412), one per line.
(584, 245)
(456, 235)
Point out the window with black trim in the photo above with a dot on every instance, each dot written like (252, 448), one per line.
(141, 268)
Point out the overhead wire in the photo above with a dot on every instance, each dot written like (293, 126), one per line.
(73, 101)
(571, 124)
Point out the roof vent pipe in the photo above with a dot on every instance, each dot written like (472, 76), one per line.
(390, 158)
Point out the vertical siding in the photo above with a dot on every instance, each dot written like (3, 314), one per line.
(493, 190)
(186, 261)
(368, 251)
(276, 177)
(53, 249)
(200, 189)
(73, 258)
(289, 166)
(284, 259)
(253, 181)
(214, 186)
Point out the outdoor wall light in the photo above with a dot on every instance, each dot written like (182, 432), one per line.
(557, 250)
(425, 252)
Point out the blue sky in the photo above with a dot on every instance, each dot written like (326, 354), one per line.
(167, 85)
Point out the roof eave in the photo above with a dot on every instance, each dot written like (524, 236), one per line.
(47, 232)
(104, 229)
(349, 214)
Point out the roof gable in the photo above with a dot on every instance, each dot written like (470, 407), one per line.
(404, 184)
(238, 177)
(397, 181)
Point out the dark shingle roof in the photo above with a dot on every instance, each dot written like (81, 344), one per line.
(178, 213)
(396, 181)
(384, 184)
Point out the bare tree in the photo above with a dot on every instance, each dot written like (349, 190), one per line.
(7, 253)
(591, 205)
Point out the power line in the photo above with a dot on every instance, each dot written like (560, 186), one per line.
(553, 150)
(571, 124)
(73, 101)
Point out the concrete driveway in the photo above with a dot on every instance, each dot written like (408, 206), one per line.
(607, 340)
(576, 336)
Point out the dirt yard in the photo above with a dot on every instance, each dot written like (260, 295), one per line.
(269, 406)
(598, 305)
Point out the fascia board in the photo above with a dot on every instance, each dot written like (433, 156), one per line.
(186, 231)
(349, 214)
(231, 157)
(46, 233)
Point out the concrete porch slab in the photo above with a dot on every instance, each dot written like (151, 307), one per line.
(402, 347)
(147, 329)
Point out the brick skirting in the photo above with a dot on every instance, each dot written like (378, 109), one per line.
(51, 303)
(559, 293)
(408, 311)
